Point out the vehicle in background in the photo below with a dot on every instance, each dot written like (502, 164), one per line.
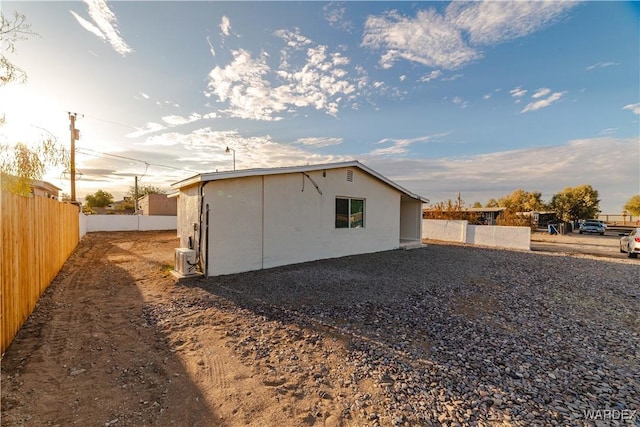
(592, 227)
(630, 243)
(600, 221)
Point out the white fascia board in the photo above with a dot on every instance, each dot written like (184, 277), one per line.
(216, 176)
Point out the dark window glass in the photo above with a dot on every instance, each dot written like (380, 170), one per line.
(342, 213)
(356, 219)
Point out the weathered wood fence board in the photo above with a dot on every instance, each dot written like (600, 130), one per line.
(37, 237)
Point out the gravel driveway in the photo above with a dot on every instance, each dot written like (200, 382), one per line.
(467, 336)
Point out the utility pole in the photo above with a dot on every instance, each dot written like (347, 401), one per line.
(75, 135)
(135, 196)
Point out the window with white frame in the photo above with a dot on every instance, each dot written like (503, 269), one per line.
(349, 212)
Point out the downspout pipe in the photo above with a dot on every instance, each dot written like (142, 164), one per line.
(206, 243)
(200, 220)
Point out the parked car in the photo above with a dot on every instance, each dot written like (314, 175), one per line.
(592, 227)
(630, 243)
(604, 224)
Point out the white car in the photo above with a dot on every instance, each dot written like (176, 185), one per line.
(592, 227)
(604, 224)
(630, 243)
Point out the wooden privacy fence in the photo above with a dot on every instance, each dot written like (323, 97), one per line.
(37, 236)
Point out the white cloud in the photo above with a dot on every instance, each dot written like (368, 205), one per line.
(601, 65)
(225, 26)
(106, 26)
(459, 101)
(148, 128)
(452, 40)
(543, 103)
(488, 23)
(211, 48)
(634, 108)
(428, 39)
(319, 142)
(541, 92)
(204, 149)
(452, 78)
(88, 26)
(518, 92)
(431, 76)
(334, 14)
(293, 39)
(253, 90)
(401, 146)
(546, 169)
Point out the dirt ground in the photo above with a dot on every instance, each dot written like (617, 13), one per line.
(576, 244)
(115, 341)
(98, 351)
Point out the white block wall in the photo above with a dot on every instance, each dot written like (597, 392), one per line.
(482, 235)
(127, 223)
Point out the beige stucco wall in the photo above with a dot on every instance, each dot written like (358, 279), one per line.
(272, 220)
(410, 219)
(158, 204)
(188, 213)
(235, 225)
(300, 225)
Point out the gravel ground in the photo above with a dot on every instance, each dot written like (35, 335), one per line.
(455, 335)
(446, 335)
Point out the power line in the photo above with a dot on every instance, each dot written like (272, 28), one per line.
(111, 122)
(96, 153)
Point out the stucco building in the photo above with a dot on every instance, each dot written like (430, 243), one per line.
(259, 218)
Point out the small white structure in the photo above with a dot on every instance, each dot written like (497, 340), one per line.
(259, 218)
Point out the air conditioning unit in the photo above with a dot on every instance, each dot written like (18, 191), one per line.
(185, 261)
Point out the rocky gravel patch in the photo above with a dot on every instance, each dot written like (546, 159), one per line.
(444, 335)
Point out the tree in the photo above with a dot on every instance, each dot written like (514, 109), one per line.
(477, 205)
(99, 199)
(11, 32)
(491, 203)
(575, 203)
(522, 201)
(633, 205)
(21, 164)
(452, 210)
(143, 190)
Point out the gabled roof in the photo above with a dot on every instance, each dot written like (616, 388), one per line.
(216, 176)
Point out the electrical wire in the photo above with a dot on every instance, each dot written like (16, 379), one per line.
(111, 122)
(96, 153)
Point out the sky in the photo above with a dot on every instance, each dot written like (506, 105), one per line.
(443, 98)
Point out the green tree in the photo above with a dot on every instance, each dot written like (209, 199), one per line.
(575, 203)
(491, 203)
(21, 164)
(477, 205)
(143, 190)
(99, 199)
(633, 205)
(522, 201)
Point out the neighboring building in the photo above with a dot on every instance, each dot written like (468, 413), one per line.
(486, 216)
(158, 204)
(259, 218)
(45, 189)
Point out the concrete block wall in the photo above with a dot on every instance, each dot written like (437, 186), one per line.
(91, 223)
(481, 235)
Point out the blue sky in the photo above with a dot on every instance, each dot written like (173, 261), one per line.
(479, 98)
